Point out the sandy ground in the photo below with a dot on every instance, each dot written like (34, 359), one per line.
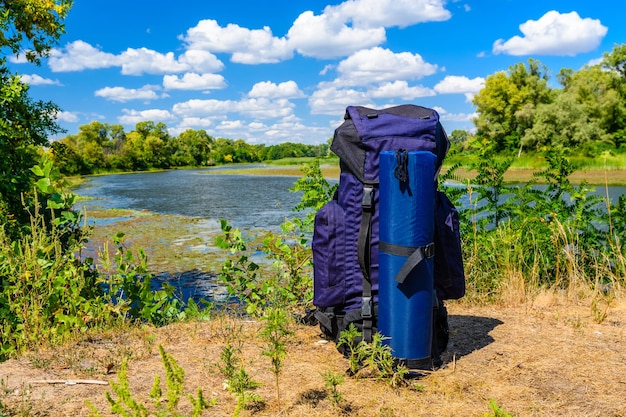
(545, 359)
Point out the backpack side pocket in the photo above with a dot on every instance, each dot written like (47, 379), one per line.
(449, 271)
(329, 256)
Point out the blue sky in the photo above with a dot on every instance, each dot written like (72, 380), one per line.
(285, 70)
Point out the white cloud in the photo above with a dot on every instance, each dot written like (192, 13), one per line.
(268, 89)
(286, 130)
(194, 81)
(377, 65)
(454, 117)
(261, 108)
(79, 55)
(200, 61)
(122, 94)
(454, 84)
(67, 117)
(146, 61)
(34, 79)
(388, 13)
(247, 46)
(332, 101)
(358, 24)
(132, 117)
(326, 69)
(227, 125)
(191, 123)
(554, 34)
(400, 89)
(328, 36)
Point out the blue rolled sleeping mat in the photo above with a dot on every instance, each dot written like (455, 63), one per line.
(406, 265)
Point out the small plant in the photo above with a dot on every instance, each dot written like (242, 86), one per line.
(242, 386)
(600, 304)
(331, 381)
(375, 357)
(275, 334)
(129, 289)
(230, 361)
(348, 341)
(127, 405)
(496, 411)
(238, 381)
(288, 283)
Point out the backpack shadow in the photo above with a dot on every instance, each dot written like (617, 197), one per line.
(468, 334)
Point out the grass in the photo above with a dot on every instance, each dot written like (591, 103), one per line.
(529, 351)
(594, 172)
(531, 359)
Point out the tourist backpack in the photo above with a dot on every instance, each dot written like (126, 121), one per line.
(346, 231)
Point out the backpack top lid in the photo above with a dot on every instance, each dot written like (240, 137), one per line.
(362, 124)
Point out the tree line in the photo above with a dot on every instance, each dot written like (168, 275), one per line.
(99, 147)
(519, 111)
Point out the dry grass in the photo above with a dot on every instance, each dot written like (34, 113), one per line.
(545, 357)
(513, 175)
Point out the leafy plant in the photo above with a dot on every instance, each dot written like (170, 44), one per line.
(47, 292)
(331, 381)
(348, 343)
(287, 283)
(316, 191)
(125, 403)
(374, 357)
(275, 333)
(242, 386)
(496, 411)
(238, 381)
(129, 287)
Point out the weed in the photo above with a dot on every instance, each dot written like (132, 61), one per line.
(331, 381)
(275, 333)
(125, 404)
(238, 381)
(496, 411)
(241, 385)
(375, 357)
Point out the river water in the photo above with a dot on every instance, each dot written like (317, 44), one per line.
(248, 202)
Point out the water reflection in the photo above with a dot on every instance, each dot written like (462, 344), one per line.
(248, 202)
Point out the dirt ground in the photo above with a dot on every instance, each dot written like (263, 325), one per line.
(544, 359)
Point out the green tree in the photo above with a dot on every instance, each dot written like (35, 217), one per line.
(506, 105)
(192, 147)
(588, 114)
(30, 28)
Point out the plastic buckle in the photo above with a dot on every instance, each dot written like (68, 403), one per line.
(429, 250)
(366, 307)
(368, 197)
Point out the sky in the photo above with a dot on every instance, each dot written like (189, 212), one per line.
(285, 70)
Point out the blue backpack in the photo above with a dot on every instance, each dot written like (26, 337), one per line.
(346, 232)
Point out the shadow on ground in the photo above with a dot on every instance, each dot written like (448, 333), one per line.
(468, 334)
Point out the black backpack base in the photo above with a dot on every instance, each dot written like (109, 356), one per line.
(332, 324)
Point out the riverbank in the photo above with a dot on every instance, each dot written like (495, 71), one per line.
(541, 353)
(592, 176)
(543, 358)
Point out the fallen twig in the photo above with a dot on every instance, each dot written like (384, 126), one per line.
(69, 382)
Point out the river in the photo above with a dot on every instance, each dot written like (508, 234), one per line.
(246, 201)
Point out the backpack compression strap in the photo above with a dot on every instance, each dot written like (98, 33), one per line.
(363, 247)
(414, 256)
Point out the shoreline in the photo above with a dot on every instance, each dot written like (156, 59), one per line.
(594, 177)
